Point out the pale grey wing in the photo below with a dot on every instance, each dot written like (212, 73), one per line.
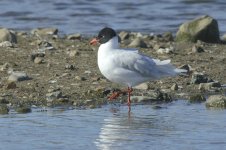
(133, 61)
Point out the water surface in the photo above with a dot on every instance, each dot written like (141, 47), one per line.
(178, 125)
(88, 17)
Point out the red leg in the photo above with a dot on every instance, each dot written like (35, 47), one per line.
(114, 95)
(129, 94)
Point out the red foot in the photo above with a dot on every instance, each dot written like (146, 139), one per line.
(114, 95)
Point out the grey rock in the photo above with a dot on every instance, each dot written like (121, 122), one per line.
(44, 31)
(73, 53)
(204, 28)
(142, 86)
(138, 42)
(124, 35)
(18, 76)
(197, 98)
(7, 35)
(198, 78)
(197, 49)
(216, 101)
(168, 36)
(53, 96)
(186, 67)
(174, 87)
(3, 109)
(33, 56)
(38, 60)
(74, 36)
(166, 50)
(6, 44)
(208, 86)
(23, 109)
(80, 78)
(5, 67)
(69, 66)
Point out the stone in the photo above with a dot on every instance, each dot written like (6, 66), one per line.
(3, 100)
(76, 36)
(69, 66)
(73, 53)
(142, 86)
(174, 87)
(197, 49)
(23, 109)
(7, 35)
(33, 56)
(198, 78)
(216, 101)
(208, 86)
(138, 42)
(6, 44)
(18, 76)
(3, 109)
(168, 36)
(124, 35)
(44, 31)
(38, 60)
(197, 98)
(5, 67)
(224, 37)
(11, 85)
(204, 28)
(186, 67)
(166, 50)
(53, 96)
(80, 78)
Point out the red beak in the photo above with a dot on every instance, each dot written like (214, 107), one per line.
(94, 41)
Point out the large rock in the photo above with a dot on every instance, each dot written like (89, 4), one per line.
(204, 28)
(44, 31)
(216, 101)
(7, 35)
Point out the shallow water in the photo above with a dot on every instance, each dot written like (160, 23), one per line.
(88, 17)
(178, 125)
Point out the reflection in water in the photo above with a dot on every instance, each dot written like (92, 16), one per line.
(123, 129)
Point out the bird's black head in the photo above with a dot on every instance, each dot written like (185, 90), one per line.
(105, 35)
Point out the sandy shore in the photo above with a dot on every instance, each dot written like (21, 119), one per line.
(63, 71)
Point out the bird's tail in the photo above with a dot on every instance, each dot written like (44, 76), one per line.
(166, 69)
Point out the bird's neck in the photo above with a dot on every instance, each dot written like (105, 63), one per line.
(111, 44)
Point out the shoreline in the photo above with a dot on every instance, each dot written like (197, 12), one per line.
(58, 71)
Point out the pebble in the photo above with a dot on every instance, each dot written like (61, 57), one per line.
(7, 35)
(166, 50)
(69, 66)
(73, 53)
(44, 31)
(197, 49)
(5, 67)
(74, 36)
(174, 87)
(6, 44)
(198, 78)
(80, 78)
(3, 109)
(53, 95)
(197, 98)
(216, 101)
(142, 86)
(18, 76)
(11, 85)
(3, 100)
(23, 109)
(168, 36)
(124, 35)
(38, 60)
(138, 42)
(208, 86)
(33, 56)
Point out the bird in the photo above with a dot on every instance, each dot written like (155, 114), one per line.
(127, 66)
